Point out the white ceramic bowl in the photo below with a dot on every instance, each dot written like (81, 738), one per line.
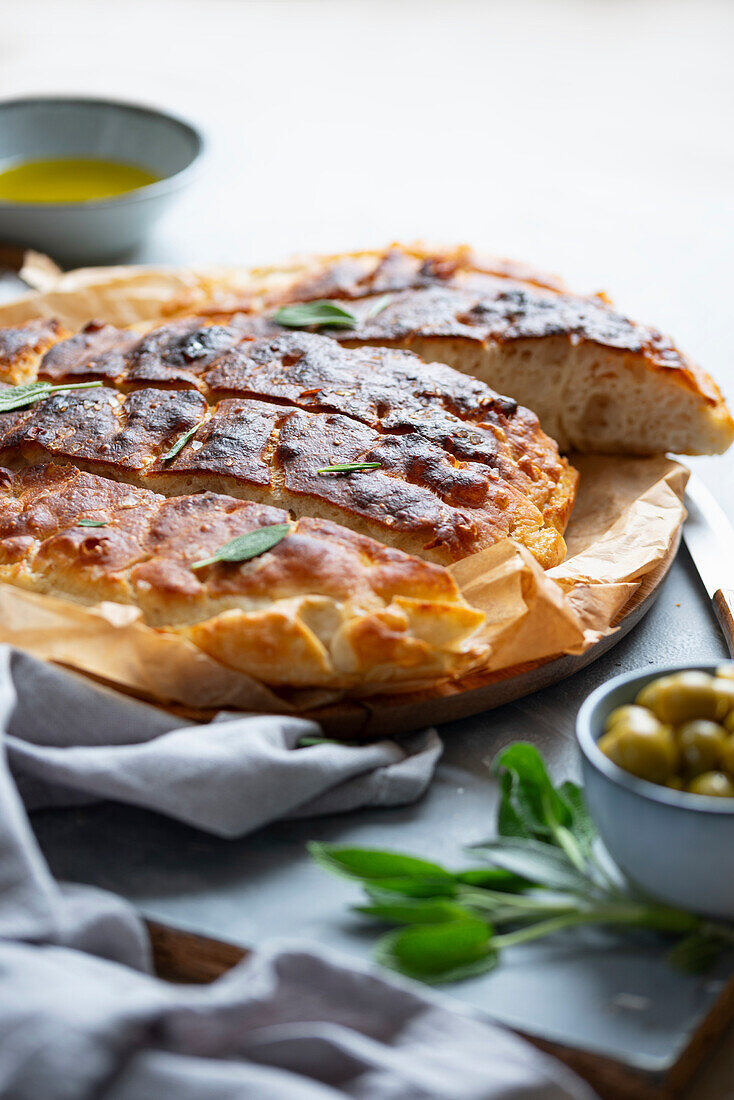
(100, 230)
(676, 847)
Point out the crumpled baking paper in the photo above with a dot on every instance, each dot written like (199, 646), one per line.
(624, 527)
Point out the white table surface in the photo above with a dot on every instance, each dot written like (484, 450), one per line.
(591, 137)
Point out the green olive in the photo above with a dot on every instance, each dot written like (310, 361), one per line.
(726, 671)
(729, 722)
(717, 784)
(648, 754)
(701, 743)
(675, 783)
(640, 717)
(724, 689)
(726, 756)
(681, 697)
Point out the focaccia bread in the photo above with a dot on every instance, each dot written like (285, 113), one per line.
(597, 380)
(325, 606)
(453, 466)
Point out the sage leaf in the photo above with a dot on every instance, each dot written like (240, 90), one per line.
(319, 314)
(544, 864)
(19, 397)
(530, 806)
(436, 953)
(248, 546)
(372, 863)
(91, 523)
(492, 878)
(419, 911)
(180, 443)
(416, 887)
(581, 824)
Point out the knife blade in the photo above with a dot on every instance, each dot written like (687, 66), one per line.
(710, 540)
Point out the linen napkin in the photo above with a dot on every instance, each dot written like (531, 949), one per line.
(81, 1015)
(70, 741)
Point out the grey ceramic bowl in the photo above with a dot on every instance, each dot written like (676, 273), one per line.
(676, 847)
(99, 230)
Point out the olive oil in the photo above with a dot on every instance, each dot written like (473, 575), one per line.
(70, 180)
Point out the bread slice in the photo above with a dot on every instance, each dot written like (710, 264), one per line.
(597, 380)
(324, 607)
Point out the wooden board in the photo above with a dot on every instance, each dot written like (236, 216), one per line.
(386, 715)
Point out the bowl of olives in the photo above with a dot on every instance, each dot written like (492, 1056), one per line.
(657, 752)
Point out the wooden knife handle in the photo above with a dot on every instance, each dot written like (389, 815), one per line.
(723, 602)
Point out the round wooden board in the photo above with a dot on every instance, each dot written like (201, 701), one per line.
(388, 715)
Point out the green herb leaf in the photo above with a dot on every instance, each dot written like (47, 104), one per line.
(349, 467)
(530, 806)
(543, 864)
(371, 863)
(696, 953)
(378, 306)
(91, 523)
(318, 314)
(248, 546)
(427, 911)
(581, 825)
(439, 952)
(18, 397)
(414, 887)
(180, 443)
(492, 879)
(545, 878)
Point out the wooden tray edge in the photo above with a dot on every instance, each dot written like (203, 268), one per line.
(186, 957)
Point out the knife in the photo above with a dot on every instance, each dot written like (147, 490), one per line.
(710, 540)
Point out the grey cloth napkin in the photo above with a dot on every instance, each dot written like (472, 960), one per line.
(69, 741)
(82, 1017)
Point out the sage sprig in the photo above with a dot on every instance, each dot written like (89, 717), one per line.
(348, 467)
(19, 397)
(180, 444)
(248, 546)
(544, 875)
(325, 314)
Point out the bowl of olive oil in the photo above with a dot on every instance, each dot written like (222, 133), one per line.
(85, 179)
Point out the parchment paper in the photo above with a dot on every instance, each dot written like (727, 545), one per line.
(626, 518)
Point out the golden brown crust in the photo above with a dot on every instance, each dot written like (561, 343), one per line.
(397, 267)
(460, 466)
(448, 296)
(175, 354)
(22, 346)
(118, 434)
(325, 606)
(468, 308)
